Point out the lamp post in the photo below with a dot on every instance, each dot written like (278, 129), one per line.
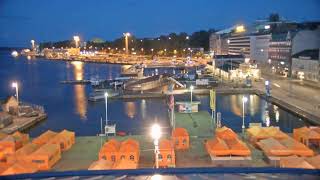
(126, 35)
(191, 88)
(156, 134)
(15, 85)
(244, 100)
(32, 44)
(76, 40)
(106, 98)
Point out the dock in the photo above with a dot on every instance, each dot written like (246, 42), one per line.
(75, 82)
(23, 123)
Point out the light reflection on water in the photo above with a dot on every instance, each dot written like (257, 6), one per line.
(80, 98)
(68, 108)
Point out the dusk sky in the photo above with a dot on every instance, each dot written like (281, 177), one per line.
(53, 20)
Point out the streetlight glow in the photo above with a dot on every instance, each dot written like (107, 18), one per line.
(266, 83)
(14, 85)
(244, 100)
(76, 40)
(155, 132)
(106, 94)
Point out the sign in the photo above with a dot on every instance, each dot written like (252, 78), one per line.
(202, 82)
(212, 99)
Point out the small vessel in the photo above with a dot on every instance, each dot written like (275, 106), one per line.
(99, 95)
(121, 133)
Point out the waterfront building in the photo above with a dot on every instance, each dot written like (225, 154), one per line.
(218, 43)
(166, 156)
(306, 65)
(283, 45)
(180, 139)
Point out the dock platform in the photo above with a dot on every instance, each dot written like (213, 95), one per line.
(23, 123)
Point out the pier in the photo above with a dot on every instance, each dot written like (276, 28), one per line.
(23, 123)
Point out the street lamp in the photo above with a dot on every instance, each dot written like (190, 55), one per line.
(126, 35)
(191, 88)
(106, 98)
(76, 40)
(15, 85)
(244, 100)
(156, 134)
(32, 44)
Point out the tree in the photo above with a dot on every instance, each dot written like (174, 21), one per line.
(274, 17)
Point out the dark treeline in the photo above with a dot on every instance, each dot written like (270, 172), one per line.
(165, 44)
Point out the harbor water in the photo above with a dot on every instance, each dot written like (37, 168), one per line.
(68, 107)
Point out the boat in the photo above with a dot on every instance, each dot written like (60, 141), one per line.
(99, 95)
(121, 133)
(14, 53)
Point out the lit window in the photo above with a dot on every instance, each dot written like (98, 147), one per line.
(169, 157)
(132, 157)
(160, 157)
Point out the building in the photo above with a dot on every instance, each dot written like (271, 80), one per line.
(282, 46)
(306, 65)
(218, 43)
(10, 105)
(259, 47)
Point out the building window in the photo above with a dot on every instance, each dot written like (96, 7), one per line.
(169, 157)
(104, 157)
(160, 157)
(113, 158)
(132, 157)
(122, 157)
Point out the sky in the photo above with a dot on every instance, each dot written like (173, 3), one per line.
(54, 20)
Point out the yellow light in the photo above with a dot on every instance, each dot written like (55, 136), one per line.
(240, 28)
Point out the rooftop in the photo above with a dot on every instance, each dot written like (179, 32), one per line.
(308, 54)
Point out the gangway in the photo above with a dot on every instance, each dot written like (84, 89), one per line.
(175, 81)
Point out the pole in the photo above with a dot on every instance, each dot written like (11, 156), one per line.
(17, 93)
(191, 98)
(243, 114)
(156, 149)
(127, 47)
(106, 110)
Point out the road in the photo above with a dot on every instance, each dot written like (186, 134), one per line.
(304, 96)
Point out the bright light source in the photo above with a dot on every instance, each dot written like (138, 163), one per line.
(228, 41)
(244, 99)
(267, 27)
(191, 87)
(282, 62)
(266, 83)
(269, 61)
(261, 50)
(127, 34)
(156, 177)
(15, 84)
(240, 29)
(169, 37)
(106, 94)
(76, 38)
(155, 132)
(187, 37)
(151, 49)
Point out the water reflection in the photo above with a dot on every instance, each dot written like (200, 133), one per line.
(130, 109)
(143, 108)
(79, 90)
